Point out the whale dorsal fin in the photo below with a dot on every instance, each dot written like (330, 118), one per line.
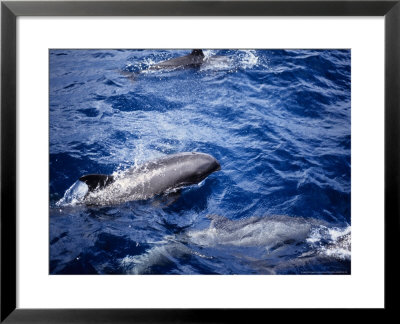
(197, 52)
(97, 181)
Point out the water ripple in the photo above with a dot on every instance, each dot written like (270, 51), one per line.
(278, 121)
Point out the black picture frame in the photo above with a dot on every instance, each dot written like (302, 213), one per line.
(10, 10)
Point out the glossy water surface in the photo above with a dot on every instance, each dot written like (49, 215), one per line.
(278, 122)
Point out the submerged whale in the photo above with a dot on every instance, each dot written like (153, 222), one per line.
(277, 243)
(164, 175)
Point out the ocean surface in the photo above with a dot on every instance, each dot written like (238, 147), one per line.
(278, 122)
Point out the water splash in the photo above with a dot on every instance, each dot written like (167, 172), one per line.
(248, 59)
(74, 195)
(332, 242)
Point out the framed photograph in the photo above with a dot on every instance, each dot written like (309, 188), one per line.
(160, 159)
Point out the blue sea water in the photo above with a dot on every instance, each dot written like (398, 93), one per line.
(278, 122)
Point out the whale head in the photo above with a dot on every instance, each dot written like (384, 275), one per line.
(200, 166)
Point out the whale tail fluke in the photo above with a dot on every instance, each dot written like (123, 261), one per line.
(97, 181)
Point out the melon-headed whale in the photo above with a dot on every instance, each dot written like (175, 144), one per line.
(192, 60)
(196, 59)
(164, 175)
(272, 239)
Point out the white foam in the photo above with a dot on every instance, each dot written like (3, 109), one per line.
(249, 59)
(332, 242)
